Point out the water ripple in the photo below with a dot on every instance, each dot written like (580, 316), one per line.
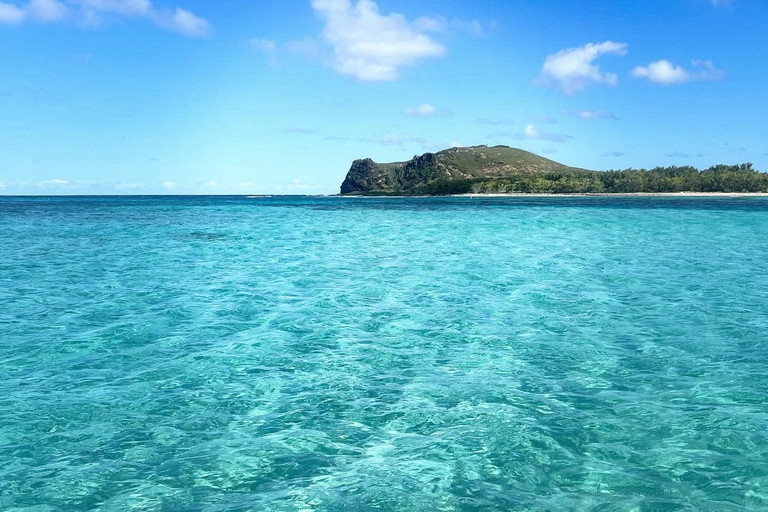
(295, 354)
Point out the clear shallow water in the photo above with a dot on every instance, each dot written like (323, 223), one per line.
(299, 354)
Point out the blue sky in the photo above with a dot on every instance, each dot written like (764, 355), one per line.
(263, 97)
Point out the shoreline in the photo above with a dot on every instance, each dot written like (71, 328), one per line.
(593, 194)
(368, 196)
(627, 194)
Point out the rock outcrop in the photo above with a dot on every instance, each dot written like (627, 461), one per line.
(448, 171)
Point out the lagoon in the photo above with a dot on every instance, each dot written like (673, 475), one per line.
(302, 353)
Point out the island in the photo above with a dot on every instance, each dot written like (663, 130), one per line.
(505, 170)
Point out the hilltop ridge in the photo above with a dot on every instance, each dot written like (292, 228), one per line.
(505, 170)
(433, 173)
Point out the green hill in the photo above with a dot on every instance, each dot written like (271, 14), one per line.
(503, 170)
(445, 172)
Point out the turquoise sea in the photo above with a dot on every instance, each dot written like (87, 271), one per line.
(425, 354)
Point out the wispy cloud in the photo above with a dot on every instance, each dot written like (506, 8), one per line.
(532, 133)
(571, 70)
(590, 114)
(46, 11)
(665, 73)
(441, 24)
(53, 186)
(506, 121)
(613, 153)
(41, 11)
(96, 12)
(677, 154)
(267, 47)
(263, 45)
(294, 186)
(431, 24)
(395, 139)
(426, 110)
(307, 47)
(439, 146)
(544, 120)
(473, 27)
(129, 186)
(299, 130)
(182, 21)
(54, 183)
(370, 46)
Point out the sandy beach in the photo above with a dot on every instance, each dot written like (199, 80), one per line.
(629, 194)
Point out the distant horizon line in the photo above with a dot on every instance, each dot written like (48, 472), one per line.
(688, 194)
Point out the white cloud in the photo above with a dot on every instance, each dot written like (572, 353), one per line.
(573, 69)
(615, 154)
(440, 24)
(426, 110)
(2, 186)
(42, 11)
(53, 183)
(46, 11)
(666, 73)
(431, 24)
(170, 185)
(92, 12)
(370, 46)
(590, 114)
(10, 14)
(183, 21)
(596, 114)
(121, 7)
(263, 45)
(532, 133)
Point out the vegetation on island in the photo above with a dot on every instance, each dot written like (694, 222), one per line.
(719, 178)
(503, 170)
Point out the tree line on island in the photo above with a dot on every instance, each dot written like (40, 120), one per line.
(719, 178)
(505, 170)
